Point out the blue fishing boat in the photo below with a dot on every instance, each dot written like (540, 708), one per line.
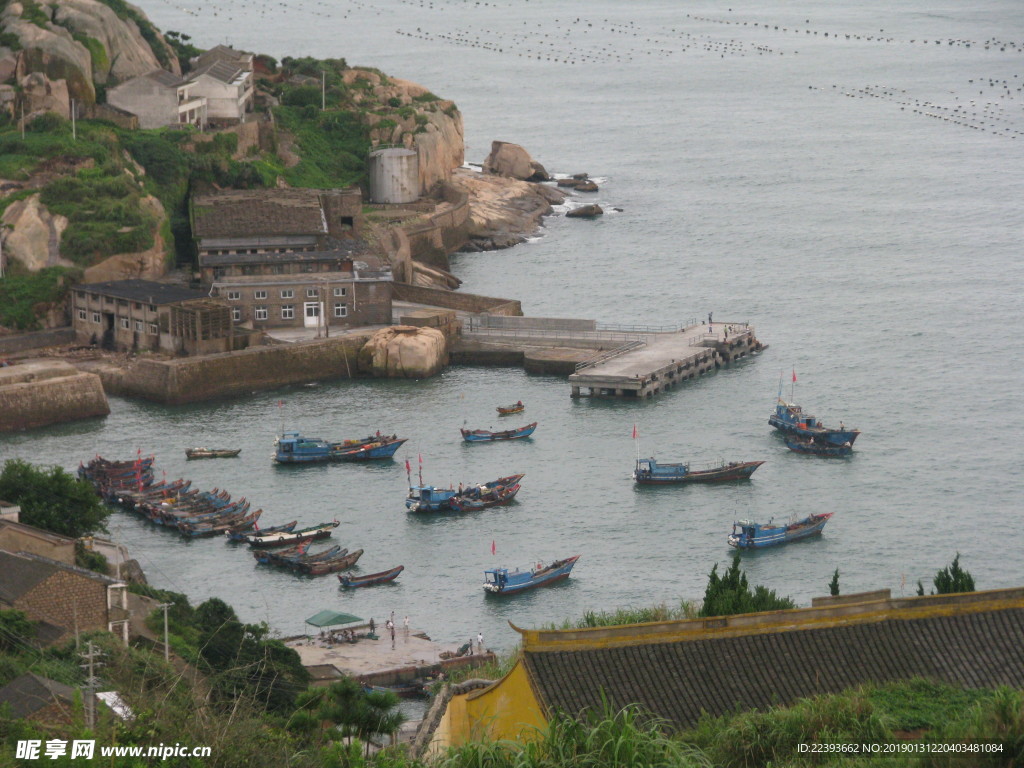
(650, 472)
(791, 420)
(430, 498)
(816, 447)
(294, 448)
(502, 581)
(748, 535)
(486, 436)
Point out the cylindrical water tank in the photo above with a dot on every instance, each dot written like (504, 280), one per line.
(394, 175)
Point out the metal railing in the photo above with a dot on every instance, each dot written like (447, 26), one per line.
(627, 347)
(552, 333)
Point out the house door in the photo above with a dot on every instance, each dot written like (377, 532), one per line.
(312, 314)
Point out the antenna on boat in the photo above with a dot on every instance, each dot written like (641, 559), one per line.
(792, 386)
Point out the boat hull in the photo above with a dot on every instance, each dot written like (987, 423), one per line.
(774, 536)
(737, 470)
(351, 582)
(485, 436)
(814, 448)
(547, 577)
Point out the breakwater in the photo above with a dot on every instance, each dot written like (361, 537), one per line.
(40, 393)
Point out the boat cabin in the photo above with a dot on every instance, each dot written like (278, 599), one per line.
(427, 497)
(294, 444)
(794, 414)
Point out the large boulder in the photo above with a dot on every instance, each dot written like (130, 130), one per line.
(509, 160)
(34, 236)
(51, 51)
(41, 94)
(404, 352)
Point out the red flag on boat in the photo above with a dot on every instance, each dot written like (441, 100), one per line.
(794, 375)
(420, 456)
(494, 547)
(634, 432)
(408, 469)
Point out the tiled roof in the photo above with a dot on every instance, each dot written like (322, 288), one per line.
(164, 77)
(218, 69)
(23, 571)
(249, 212)
(28, 693)
(145, 291)
(679, 680)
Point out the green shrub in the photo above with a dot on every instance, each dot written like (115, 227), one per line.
(428, 96)
(21, 292)
(32, 12)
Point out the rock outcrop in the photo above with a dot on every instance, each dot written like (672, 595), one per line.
(503, 211)
(404, 352)
(586, 212)
(79, 43)
(515, 162)
(408, 115)
(34, 234)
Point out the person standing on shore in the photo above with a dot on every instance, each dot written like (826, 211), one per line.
(480, 642)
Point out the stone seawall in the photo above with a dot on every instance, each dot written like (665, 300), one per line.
(36, 394)
(197, 379)
(51, 338)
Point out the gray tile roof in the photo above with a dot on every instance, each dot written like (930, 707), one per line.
(164, 77)
(253, 212)
(23, 571)
(679, 680)
(144, 291)
(218, 69)
(28, 693)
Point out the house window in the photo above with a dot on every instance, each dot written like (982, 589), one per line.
(152, 307)
(312, 293)
(81, 314)
(138, 305)
(288, 312)
(261, 313)
(107, 300)
(123, 321)
(139, 326)
(80, 294)
(340, 310)
(259, 295)
(234, 295)
(309, 267)
(96, 317)
(154, 330)
(340, 291)
(288, 293)
(236, 314)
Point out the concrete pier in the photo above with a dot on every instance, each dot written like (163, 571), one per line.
(657, 362)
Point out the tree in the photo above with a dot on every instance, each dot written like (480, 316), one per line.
(730, 594)
(343, 710)
(953, 579)
(53, 499)
(833, 586)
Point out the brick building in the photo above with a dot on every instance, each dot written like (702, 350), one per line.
(18, 537)
(36, 698)
(290, 258)
(62, 595)
(146, 315)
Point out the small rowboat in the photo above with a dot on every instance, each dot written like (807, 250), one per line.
(508, 410)
(212, 453)
(264, 539)
(484, 435)
(370, 579)
(241, 533)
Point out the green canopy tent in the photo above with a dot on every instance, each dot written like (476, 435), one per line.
(331, 619)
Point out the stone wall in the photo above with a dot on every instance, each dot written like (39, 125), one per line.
(465, 302)
(229, 374)
(16, 537)
(51, 338)
(67, 600)
(34, 395)
(431, 238)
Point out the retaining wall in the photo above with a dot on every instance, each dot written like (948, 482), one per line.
(36, 395)
(54, 337)
(465, 302)
(196, 379)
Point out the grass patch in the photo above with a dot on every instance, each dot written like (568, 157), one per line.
(21, 292)
(334, 146)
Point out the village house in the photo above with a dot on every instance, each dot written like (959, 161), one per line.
(65, 596)
(36, 698)
(679, 670)
(159, 99)
(290, 258)
(227, 88)
(146, 315)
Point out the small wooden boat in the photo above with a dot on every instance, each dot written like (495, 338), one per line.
(749, 535)
(242, 533)
(482, 497)
(322, 567)
(508, 410)
(372, 578)
(212, 453)
(486, 436)
(650, 472)
(283, 538)
(429, 498)
(816, 447)
(502, 581)
(295, 555)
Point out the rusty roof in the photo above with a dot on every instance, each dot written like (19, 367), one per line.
(144, 291)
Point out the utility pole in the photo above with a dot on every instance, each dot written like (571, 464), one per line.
(323, 90)
(89, 691)
(23, 119)
(74, 134)
(167, 644)
(327, 317)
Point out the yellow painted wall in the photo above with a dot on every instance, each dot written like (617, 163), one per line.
(507, 710)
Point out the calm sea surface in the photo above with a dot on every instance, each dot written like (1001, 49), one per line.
(856, 196)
